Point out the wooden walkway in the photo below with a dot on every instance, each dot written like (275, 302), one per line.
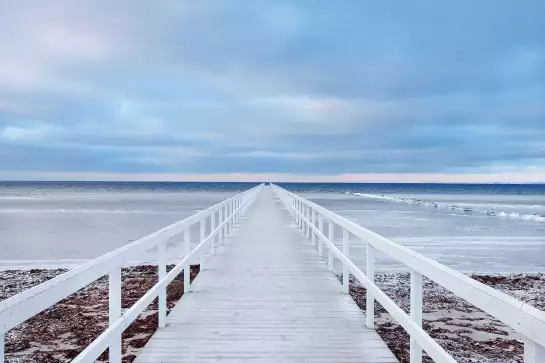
(266, 297)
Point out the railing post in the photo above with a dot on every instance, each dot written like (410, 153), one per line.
(370, 303)
(331, 237)
(304, 222)
(297, 219)
(235, 210)
(212, 228)
(228, 219)
(303, 229)
(533, 352)
(321, 229)
(416, 313)
(187, 248)
(300, 209)
(201, 239)
(231, 214)
(161, 273)
(307, 228)
(314, 225)
(114, 311)
(346, 252)
(222, 229)
(308, 223)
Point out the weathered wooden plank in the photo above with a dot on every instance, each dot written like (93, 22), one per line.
(266, 297)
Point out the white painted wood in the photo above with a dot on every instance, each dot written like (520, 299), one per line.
(346, 252)
(114, 312)
(320, 240)
(187, 251)
(370, 300)
(222, 219)
(18, 308)
(266, 298)
(314, 224)
(533, 353)
(162, 272)
(99, 345)
(331, 233)
(416, 314)
(201, 238)
(213, 242)
(434, 350)
(522, 317)
(307, 227)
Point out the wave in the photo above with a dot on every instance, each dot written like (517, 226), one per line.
(463, 207)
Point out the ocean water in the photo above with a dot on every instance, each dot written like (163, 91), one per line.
(472, 228)
(498, 228)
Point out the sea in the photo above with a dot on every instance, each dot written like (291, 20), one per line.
(469, 227)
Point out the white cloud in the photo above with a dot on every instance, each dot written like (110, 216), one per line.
(15, 133)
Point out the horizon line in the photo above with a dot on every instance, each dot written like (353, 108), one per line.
(262, 181)
(361, 178)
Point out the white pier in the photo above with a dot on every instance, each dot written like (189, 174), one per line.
(266, 297)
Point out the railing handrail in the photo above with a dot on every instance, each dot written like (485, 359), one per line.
(104, 340)
(18, 308)
(525, 319)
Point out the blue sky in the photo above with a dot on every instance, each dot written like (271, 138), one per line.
(295, 90)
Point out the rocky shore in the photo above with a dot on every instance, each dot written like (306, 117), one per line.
(467, 333)
(61, 332)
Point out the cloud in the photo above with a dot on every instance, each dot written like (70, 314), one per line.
(272, 87)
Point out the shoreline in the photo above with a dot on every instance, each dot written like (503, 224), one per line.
(466, 332)
(59, 333)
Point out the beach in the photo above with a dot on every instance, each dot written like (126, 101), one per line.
(487, 232)
(58, 334)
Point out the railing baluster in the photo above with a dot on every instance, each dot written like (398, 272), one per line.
(533, 352)
(346, 252)
(222, 229)
(314, 225)
(202, 230)
(321, 229)
(416, 313)
(187, 248)
(162, 272)
(233, 220)
(308, 223)
(331, 237)
(300, 212)
(297, 218)
(212, 228)
(307, 226)
(237, 206)
(303, 223)
(227, 218)
(114, 311)
(370, 303)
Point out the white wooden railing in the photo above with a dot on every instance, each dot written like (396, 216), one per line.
(221, 218)
(525, 319)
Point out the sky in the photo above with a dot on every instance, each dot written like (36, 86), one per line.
(351, 90)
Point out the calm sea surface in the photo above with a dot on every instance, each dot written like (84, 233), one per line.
(468, 227)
